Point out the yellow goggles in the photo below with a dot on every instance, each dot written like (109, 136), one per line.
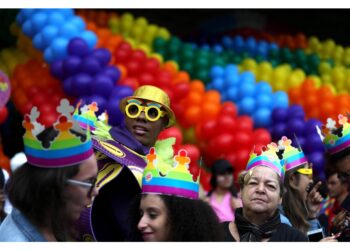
(152, 111)
(305, 171)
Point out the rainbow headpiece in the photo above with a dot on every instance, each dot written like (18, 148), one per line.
(336, 138)
(292, 157)
(65, 149)
(267, 157)
(86, 115)
(169, 177)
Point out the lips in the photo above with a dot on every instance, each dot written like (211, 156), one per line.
(147, 236)
(259, 200)
(139, 130)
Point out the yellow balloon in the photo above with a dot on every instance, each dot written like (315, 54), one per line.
(163, 33)
(141, 21)
(249, 64)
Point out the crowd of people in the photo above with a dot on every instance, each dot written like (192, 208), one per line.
(88, 181)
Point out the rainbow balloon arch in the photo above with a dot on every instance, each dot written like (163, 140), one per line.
(242, 90)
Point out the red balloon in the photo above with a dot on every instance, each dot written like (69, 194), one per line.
(38, 99)
(151, 65)
(133, 67)
(243, 139)
(192, 151)
(226, 124)
(261, 136)
(138, 55)
(163, 78)
(221, 145)
(3, 114)
(26, 108)
(131, 82)
(121, 56)
(242, 157)
(229, 109)
(244, 123)
(181, 90)
(146, 78)
(47, 119)
(208, 129)
(194, 170)
(205, 180)
(172, 132)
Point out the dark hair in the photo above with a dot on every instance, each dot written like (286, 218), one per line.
(218, 167)
(39, 193)
(2, 179)
(189, 220)
(293, 205)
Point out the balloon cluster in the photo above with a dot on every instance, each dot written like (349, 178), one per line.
(33, 85)
(319, 102)
(291, 122)
(99, 17)
(9, 58)
(338, 75)
(52, 29)
(87, 75)
(255, 100)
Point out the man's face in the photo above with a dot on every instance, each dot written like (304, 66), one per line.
(334, 186)
(144, 130)
(343, 166)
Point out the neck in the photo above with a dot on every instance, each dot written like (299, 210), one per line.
(48, 234)
(342, 197)
(254, 218)
(220, 191)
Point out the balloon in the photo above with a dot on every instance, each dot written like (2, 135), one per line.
(295, 127)
(71, 66)
(244, 123)
(278, 130)
(261, 136)
(81, 85)
(264, 101)
(102, 85)
(59, 48)
(246, 106)
(221, 145)
(262, 117)
(78, 47)
(318, 161)
(67, 86)
(56, 69)
(48, 55)
(228, 109)
(241, 160)
(115, 116)
(90, 38)
(226, 124)
(90, 66)
(192, 151)
(279, 115)
(311, 125)
(68, 30)
(171, 132)
(3, 114)
(208, 129)
(101, 101)
(113, 72)
(102, 55)
(313, 143)
(280, 99)
(296, 111)
(120, 92)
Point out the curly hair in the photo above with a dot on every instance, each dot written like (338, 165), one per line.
(189, 220)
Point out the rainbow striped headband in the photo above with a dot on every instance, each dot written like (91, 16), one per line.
(159, 177)
(66, 149)
(267, 158)
(292, 157)
(336, 138)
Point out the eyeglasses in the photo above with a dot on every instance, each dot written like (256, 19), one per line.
(305, 171)
(89, 184)
(152, 112)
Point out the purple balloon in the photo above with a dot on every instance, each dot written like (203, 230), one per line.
(311, 126)
(318, 162)
(296, 111)
(78, 47)
(67, 86)
(102, 55)
(71, 66)
(102, 85)
(314, 143)
(300, 141)
(295, 127)
(279, 115)
(90, 66)
(115, 115)
(120, 91)
(278, 130)
(101, 101)
(56, 69)
(81, 85)
(113, 72)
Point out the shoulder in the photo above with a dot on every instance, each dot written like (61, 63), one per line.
(227, 232)
(288, 233)
(9, 231)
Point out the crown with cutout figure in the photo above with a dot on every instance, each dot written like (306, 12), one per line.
(169, 175)
(86, 115)
(267, 157)
(66, 148)
(292, 157)
(336, 137)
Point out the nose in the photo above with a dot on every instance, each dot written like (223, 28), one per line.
(142, 223)
(260, 187)
(142, 116)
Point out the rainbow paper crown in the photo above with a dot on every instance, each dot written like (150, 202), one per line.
(292, 157)
(169, 177)
(267, 157)
(65, 149)
(336, 138)
(86, 115)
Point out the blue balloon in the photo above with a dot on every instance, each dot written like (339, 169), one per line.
(238, 44)
(38, 22)
(78, 47)
(227, 42)
(264, 101)
(67, 13)
(279, 115)
(90, 38)
(116, 117)
(59, 48)
(232, 80)
(48, 55)
(120, 91)
(262, 118)
(314, 143)
(20, 19)
(56, 19)
(280, 99)
(246, 89)
(28, 13)
(231, 69)
(78, 22)
(102, 85)
(318, 163)
(219, 84)
(38, 42)
(49, 33)
(27, 28)
(71, 66)
(81, 85)
(216, 72)
(112, 72)
(247, 77)
(263, 87)
(68, 31)
(250, 46)
(232, 94)
(246, 106)
(218, 49)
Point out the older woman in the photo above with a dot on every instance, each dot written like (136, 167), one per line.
(261, 190)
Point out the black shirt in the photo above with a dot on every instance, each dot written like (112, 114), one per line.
(283, 232)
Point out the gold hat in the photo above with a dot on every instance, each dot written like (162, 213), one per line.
(154, 94)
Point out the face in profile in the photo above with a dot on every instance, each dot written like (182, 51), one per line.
(334, 186)
(343, 166)
(261, 191)
(153, 223)
(78, 196)
(143, 129)
(302, 182)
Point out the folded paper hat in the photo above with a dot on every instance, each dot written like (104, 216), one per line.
(153, 94)
(267, 157)
(292, 157)
(336, 137)
(66, 148)
(169, 175)
(86, 115)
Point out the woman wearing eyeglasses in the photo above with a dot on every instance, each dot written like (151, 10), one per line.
(51, 190)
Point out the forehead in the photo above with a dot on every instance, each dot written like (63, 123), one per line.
(152, 200)
(263, 174)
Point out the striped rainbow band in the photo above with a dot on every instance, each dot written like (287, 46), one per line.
(263, 160)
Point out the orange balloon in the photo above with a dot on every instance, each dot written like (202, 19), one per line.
(294, 95)
(210, 110)
(170, 67)
(310, 102)
(194, 98)
(197, 86)
(308, 87)
(193, 114)
(325, 92)
(212, 96)
(181, 76)
(327, 109)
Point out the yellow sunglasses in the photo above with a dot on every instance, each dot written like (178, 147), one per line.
(152, 111)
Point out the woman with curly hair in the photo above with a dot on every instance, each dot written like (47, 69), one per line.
(168, 208)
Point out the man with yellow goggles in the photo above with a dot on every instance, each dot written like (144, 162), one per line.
(152, 110)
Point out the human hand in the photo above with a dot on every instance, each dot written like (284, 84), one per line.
(313, 201)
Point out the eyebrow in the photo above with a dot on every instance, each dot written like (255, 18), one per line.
(154, 104)
(134, 101)
(267, 180)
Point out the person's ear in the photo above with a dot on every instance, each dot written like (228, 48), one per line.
(293, 182)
